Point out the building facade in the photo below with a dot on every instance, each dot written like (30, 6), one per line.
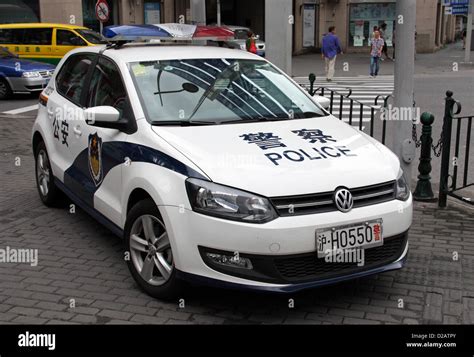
(354, 19)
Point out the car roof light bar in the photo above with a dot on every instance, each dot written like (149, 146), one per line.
(166, 32)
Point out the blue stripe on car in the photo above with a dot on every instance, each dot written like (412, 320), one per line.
(78, 179)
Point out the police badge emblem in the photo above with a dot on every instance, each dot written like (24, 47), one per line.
(95, 158)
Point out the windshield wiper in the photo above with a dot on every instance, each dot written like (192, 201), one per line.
(181, 122)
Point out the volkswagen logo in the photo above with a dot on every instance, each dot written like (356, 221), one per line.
(343, 200)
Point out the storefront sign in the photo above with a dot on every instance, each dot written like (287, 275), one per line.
(460, 9)
(309, 19)
(152, 13)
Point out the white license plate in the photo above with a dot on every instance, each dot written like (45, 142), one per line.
(360, 235)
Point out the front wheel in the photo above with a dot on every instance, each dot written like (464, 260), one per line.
(5, 90)
(150, 256)
(49, 193)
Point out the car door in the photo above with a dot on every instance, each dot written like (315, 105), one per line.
(98, 176)
(38, 43)
(65, 111)
(66, 40)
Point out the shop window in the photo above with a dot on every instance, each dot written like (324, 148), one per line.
(363, 18)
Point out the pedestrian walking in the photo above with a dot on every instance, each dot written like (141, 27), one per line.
(393, 43)
(464, 34)
(375, 53)
(330, 49)
(382, 30)
(250, 44)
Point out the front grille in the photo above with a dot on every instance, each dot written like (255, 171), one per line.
(323, 202)
(308, 267)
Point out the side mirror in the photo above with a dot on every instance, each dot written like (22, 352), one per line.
(322, 101)
(101, 114)
(257, 37)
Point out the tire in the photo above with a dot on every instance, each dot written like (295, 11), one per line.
(49, 193)
(5, 90)
(150, 257)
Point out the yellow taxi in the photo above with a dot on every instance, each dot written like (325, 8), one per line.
(46, 42)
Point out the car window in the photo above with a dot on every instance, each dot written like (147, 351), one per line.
(72, 75)
(106, 87)
(13, 36)
(41, 36)
(218, 90)
(68, 38)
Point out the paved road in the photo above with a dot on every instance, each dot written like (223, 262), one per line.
(20, 104)
(80, 260)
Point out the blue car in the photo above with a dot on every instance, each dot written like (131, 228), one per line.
(21, 75)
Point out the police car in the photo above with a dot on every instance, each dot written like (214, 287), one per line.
(215, 167)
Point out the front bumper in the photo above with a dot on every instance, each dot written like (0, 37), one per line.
(283, 250)
(28, 85)
(289, 288)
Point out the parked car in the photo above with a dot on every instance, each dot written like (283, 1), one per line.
(215, 167)
(21, 75)
(46, 42)
(240, 38)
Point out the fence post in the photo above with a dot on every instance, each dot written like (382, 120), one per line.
(445, 157)
(423, 190)
(312, 79)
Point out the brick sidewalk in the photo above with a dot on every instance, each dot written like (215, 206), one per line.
(80, 260)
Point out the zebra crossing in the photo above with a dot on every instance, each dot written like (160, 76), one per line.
(364, 91)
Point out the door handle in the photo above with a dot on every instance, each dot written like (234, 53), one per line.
(77, 130)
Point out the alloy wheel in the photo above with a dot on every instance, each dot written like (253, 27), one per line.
(150, 250)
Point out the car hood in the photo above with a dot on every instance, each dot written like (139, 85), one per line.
(25, 65)
(288, 157)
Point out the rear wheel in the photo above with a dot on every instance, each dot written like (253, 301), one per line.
(49, 193)
(5, 90)
(151, 258)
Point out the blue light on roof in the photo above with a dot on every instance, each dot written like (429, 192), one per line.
(131, 32)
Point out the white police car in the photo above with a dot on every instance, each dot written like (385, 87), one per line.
(215, 167)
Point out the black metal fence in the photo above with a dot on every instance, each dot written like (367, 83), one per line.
(359, 114)
(454, 175)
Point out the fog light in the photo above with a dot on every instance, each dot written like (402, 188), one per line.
(230, 260)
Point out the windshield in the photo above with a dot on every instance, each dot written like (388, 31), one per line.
(217, 91)
(92, 36)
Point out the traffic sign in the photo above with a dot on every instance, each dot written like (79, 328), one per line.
(102, 10)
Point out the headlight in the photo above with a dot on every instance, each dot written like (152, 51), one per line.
(402, 191)
(31, 74)
(229, 203)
